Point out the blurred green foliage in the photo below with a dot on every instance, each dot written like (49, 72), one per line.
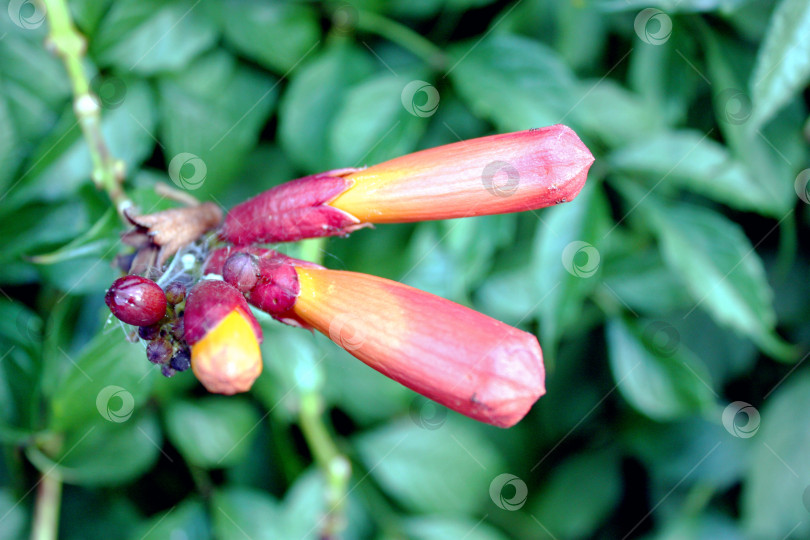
(670, 298)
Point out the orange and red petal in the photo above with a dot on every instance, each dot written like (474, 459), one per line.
(469, 362)
(512, 172)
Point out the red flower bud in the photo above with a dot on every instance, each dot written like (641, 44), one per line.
(498, 174)
(136, 300)
(224, 338)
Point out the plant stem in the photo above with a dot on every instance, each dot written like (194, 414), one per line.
(70, 46)
(49, 498)
(403, 36)
(336, 467)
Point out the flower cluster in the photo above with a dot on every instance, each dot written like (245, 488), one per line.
(458, 357)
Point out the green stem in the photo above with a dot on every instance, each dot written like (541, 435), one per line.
(403, 36)
(335, 466)
(49, 498)
(70, 46)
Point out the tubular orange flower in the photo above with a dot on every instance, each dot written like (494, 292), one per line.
(512, 172)
(224, 338)
(458, 357)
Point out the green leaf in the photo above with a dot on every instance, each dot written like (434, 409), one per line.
(153, 35)
(96, 240)
(374, 123)
(202, 116)
(442, 470)
(671, 6)
(276, 35)
(565, 505)
(614, 115)
(767, 153)
(515, 82)
(109, 378)
(316, 90)
(212, 432)
(444, 527)
(240, 512)
(775, 493)
(641, 281)
(783, 63)
(692, 160)
(566, 259)
(15, 518)
(110, 453)
(659, 381)
(61, 164)
(720, 269)
(188, 520)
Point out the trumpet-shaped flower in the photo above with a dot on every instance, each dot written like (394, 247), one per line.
(469, 362)
(512, 172)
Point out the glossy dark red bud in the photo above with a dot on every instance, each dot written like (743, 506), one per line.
(136, 300)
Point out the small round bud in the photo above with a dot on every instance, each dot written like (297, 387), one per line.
(149, 332)
(175, 293)
(177, 329)
(159, 351)
(136, 300)
(181, 361)
(241, 271)
(167, 371)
